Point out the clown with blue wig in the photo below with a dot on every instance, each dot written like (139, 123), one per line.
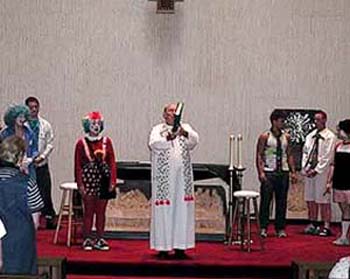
(95, 174)
(16, 120)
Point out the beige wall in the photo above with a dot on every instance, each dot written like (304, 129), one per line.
(230, 61)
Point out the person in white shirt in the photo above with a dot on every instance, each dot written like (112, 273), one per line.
(316, 161)
(44, 137)
(173, 206)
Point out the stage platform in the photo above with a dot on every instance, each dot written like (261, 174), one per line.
(132, 258)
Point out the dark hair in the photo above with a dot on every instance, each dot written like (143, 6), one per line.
(32, 99)
(277, 114)
(324, 114)
(345, 125)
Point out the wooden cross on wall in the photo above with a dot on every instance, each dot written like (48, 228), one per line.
(166, 6)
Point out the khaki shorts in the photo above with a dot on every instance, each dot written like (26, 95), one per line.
(315, 187)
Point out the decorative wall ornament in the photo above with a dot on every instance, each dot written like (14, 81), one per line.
(299, 123)
(166, 6)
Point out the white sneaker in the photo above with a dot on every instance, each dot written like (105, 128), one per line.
(341, 242)
(101, 245)
(281, 234)
(311, 229)
(263, 233)
(88, 244)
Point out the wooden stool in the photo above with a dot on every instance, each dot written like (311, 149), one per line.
(66, 209)
(242, 212)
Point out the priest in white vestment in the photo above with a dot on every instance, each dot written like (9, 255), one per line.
(173, 205)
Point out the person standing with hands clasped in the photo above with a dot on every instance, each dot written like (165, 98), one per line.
(274, 161)
(95, 174)
(316, 161)
(43, 134)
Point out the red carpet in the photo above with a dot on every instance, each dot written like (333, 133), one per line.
(138, 277)
(153, 277)
(133, 257)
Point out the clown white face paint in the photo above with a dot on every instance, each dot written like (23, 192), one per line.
(95, 127)
(20, 120)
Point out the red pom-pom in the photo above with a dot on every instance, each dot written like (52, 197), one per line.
(95, 115)
(161, 202)
(157, 202)
(167, 202)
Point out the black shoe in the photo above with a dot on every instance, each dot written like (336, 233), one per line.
(180, 255)
(325, 232)
(163, 255)
(312, 229)
(50, 224)
(101, 245)
(88, 244)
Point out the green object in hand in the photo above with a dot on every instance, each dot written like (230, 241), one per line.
(178, 115)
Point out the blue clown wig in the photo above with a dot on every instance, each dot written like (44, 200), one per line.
(95, 115)
(13, 112)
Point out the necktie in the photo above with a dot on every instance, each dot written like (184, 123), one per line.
(279, 154)
(314, 151)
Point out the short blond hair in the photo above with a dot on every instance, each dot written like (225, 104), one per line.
(12, 149)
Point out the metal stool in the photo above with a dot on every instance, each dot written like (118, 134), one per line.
(66, 209)
(242, 212)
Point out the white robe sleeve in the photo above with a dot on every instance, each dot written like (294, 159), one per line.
(193, 137)
(157, 139)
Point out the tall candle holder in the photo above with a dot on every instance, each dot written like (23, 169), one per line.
(239, 151)
(231, 169)
(232, 203)
(239, 169)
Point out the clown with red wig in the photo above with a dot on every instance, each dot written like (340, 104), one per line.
(95, 174)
